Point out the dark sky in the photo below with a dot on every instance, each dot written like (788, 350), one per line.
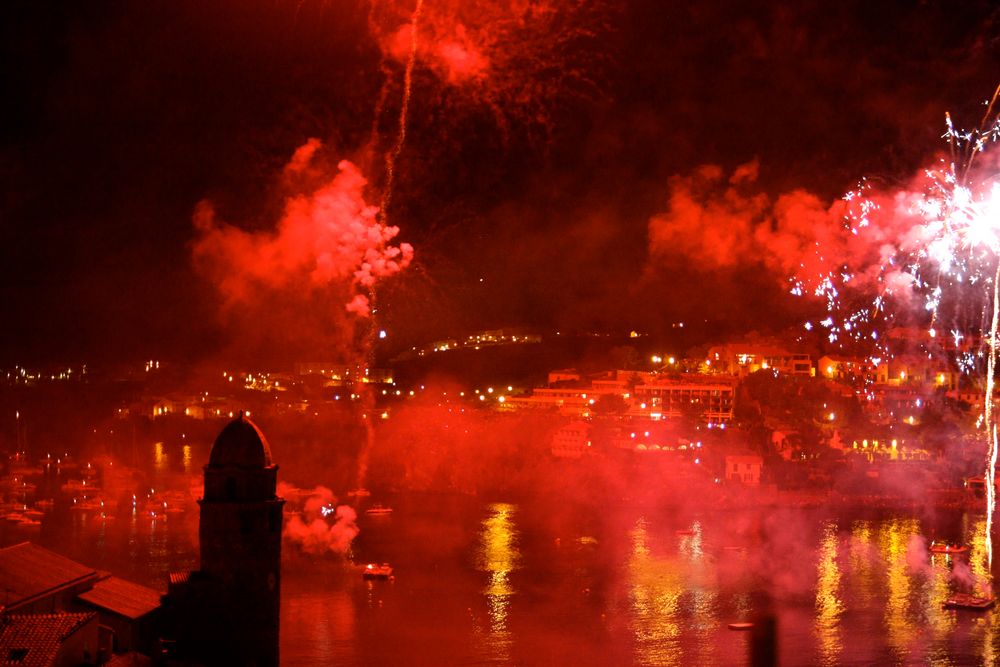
(527, 194)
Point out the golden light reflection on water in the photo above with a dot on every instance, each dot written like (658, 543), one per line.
(829, 606)
(892, 567)
(894, 538)
(186, 458)
(670, 597)
(498, 555)
(862, 564)
(978, 561)
(654, 593)
(983, 585)
(703, 590)
(159, 457)
(935, 590)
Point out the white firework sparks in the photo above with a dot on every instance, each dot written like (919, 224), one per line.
(935, 246)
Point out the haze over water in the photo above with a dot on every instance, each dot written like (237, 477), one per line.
(487, 583)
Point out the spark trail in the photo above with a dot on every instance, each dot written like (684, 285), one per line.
(512, 57)
(519, 60)
(934, 245)
(991, 428)
(368, 392)
(404, 109)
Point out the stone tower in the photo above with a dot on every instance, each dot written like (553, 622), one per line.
(227, 612)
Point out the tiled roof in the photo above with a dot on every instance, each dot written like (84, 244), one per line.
(122, 597)
(28, 570)
(33, 640)
(179, 577)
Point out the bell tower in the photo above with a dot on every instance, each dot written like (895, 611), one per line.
(240, 534)
(227, 612)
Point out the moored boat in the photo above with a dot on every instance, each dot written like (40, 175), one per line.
(939, 547)
(375, 571)
(968, 601)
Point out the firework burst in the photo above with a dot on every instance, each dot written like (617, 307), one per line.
(931, 254)
(517, 59)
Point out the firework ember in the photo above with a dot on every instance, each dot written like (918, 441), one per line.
(933, 245)
(404, 108)
(516, 58)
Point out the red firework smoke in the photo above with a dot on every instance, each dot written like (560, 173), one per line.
(514, 57)
(328, 234)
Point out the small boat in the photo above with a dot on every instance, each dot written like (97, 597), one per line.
(359, 493)
(378, 510)
(374, 571)
(687, 532)
(740, 626)
(947, 548)
(968, 601)
(29, 523)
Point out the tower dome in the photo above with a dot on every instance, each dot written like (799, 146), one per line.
(240, 444)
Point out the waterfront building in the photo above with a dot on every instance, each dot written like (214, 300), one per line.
(707, 399)
(741, 359)
(744, 469)
(572, 440)
(98, 614)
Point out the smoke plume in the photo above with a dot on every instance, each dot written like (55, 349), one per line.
(863, 242)
(321, 526)
(326, 234)
(512, 57)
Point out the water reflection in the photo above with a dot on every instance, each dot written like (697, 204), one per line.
(978, 563)
(861, 560)
(324, 622)
(829, 606)
(159, 458)
(894, 541)
(658, 592)
(934, 591)
(983, 585)
(498, 557)
(655, 588)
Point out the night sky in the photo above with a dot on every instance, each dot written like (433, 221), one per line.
(527, 183)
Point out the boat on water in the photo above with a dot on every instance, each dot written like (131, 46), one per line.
(969, 601)
(359, 493)
(375, 571)
(378, 510)
(947, 548)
